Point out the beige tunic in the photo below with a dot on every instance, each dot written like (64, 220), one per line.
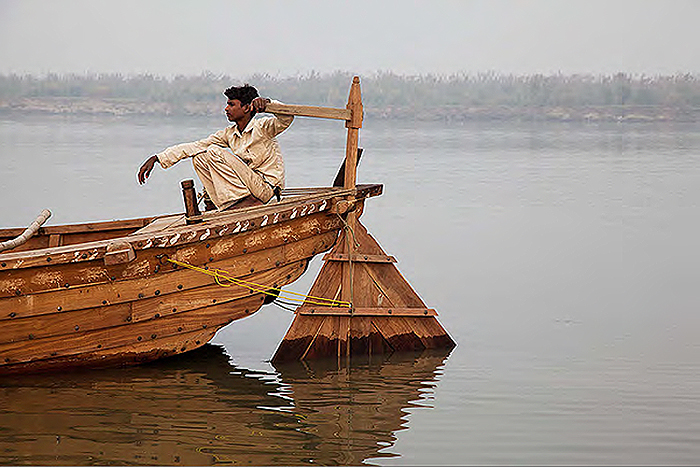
(217, 160)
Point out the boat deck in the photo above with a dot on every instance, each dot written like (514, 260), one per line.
(85, 242)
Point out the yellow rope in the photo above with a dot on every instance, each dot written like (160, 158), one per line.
(219, 274)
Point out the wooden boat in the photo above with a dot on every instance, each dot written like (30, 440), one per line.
(129, 291)
(105, 293)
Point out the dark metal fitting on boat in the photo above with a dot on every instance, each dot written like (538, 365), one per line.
(162, 257)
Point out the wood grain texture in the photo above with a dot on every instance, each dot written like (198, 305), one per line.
(168, 335)
(70, 323)
(50, 276)
(309, 111)
(120, 301)
(166, 281)
(387, 315)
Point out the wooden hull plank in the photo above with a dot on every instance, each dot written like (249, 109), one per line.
(165, 282)
(139, 353)
(124, 338)
(212, 294)
(72, 322)
(73, 234)
(49, 276)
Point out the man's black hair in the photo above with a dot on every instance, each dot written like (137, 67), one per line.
(245, 93)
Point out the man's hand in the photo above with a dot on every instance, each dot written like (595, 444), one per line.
(146, 168)
(260, 104)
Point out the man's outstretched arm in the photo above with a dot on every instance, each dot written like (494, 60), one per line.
(146, 168)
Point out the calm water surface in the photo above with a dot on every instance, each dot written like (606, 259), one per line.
(562, 258)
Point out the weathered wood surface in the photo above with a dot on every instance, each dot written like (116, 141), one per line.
(105, 314)
(190, 197)
(168, 335)
(142, 351)
(353, 125)
(215, 225)
(309, 111)
(386, 315)
(120, 301)
(69, 322)
(97, 330)
(160, 285)
(53, 236)
(247, 247)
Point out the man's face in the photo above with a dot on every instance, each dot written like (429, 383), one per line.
(235, 111)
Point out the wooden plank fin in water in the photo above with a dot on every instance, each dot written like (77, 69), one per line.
(328, 336)
(387, 314)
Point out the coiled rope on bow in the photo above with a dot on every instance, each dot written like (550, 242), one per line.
(221, 275)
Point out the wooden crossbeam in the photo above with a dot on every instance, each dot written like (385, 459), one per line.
(359, 258)
(342, 311)
(309, 111)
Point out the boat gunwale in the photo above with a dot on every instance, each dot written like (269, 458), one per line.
(85, 227)
(227, 223)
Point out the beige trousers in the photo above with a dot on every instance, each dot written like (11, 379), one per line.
(226, 178)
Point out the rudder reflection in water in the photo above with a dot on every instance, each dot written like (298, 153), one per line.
(199, 409)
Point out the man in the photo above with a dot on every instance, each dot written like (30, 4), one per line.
(240, 165)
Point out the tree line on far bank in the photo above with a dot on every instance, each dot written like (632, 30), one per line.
(383, 93)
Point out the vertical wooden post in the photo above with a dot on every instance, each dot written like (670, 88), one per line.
(353, 126)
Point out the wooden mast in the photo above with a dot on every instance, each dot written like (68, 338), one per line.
(385, 313)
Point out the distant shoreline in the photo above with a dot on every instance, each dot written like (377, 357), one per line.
(457, 113)
(483, 97)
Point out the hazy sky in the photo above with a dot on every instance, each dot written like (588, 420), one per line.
(291, 37)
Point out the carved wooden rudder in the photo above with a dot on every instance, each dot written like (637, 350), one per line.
(387, 314)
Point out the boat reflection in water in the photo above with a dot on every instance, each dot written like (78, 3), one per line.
(198, 409)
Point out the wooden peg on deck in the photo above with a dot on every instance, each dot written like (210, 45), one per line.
(190, 198)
